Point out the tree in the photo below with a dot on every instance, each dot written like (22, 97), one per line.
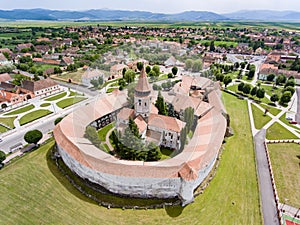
(280, 79)
(2, 156)
(174, 70)
(197, 66)
(290, 83)
(227, 80)
(33, 136)
(123, 72)
(160, 104)
(188, 64)
(220, 77)
(236, 65)
(212, 46)
(171, 110)
(140, 65)
(188, 116)
(253, 91)
(271, 77)
(260, 93)
(95, 83)
(246, 89)
(290, 89)
(274, 98)
(129, 76)
(156, 69)
(153, 153)
(285, 97)
(148, 69)
(241, 86)
(133, 127)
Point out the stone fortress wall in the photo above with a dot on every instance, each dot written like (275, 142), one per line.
(174, 177)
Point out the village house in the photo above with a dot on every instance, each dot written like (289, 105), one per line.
(41, 88)
(116, 70)
(91, 74)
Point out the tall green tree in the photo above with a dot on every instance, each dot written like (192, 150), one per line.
(133, 127)
(140, 66)
(174, 70)
(156, 69)
(188, 118)
(227, 80)
(160, 104)
(129, 76)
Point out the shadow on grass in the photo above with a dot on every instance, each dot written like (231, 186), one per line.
(62, 179)
(174, 211)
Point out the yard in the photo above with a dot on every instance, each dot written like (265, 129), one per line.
(27, 118)
(285, 160)
(69, 101)
(46, 196)
(20, 110)
(74, 76)
(278, 132)
(102, 132)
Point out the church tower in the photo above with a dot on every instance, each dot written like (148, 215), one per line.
(142, 96)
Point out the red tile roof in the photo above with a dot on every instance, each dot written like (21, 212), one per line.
(143, 84)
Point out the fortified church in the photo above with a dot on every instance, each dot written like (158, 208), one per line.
(160, 129)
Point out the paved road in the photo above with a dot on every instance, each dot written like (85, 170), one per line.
(269, 209)
(78, 88)
(45, 125)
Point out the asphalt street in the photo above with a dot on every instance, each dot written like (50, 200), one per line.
(269, 209)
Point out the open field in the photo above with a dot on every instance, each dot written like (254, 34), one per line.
(292, 26)
(20, 110)
(46, 197)
(69, 101)
(278, 132)
(285, 160)
(259, 118)
(27, 118)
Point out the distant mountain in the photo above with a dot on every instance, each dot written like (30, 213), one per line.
(125, 15)
(104, 14)
(263, 15)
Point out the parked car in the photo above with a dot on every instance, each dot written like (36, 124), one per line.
(293, 122)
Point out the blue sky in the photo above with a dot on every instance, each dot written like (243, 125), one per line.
(166, 6)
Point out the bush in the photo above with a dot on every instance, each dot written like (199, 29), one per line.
(33, 136)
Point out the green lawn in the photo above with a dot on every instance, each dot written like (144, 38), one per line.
(69, 101)
(287, 122)
(21, 110)
(259, 118)
(46, 197)
(56, 97)
(27, 118)
(274, 111)
(166, 153)
(8, 121)
(73, 93)
(278, 132)
(44, 67)
(45, 104)
(3, 129)
(285, 160)
(109, 90)
(102, 132)
(270, 90)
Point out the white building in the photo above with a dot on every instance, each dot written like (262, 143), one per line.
(89, 75)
